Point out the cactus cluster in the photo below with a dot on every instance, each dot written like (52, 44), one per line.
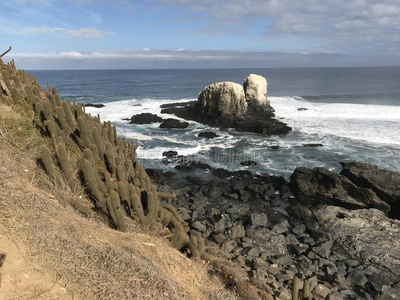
(89, 154)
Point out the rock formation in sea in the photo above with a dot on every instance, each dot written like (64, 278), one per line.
(228, 105)
(255, 88)
(222, 99)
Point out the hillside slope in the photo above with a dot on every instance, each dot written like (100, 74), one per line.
(48, 250)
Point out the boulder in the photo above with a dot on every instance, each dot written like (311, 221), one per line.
(174, 123)
(385, 183)
(321, 186)
(365, 234)
(94, 105)
(255, 89)
(145, 118)
(207, 135)
(222, 98)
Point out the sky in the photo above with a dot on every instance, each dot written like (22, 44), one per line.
(156, 34)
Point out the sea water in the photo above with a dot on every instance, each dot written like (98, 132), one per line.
(353, 112)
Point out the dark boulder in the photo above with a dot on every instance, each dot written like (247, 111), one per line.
(174, 123)
(170, 154)
(207, 135)
(312, 145)
(249, 163)
(145, 118)
(385, 183)
(321, 186)
(302, 109)
(94, 105)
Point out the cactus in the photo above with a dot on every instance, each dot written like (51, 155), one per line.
(117, 212)
(296, 287)
(84, 131)
(68, 115)
(91, 182)
(62, 119)
(98, 142)
(48, 110)
(46, 158)
(64, 164)
(110, 161)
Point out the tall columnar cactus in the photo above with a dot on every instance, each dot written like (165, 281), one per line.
(68, 115)
(91, 182)
(47, 161)
(98, 142)
(65, 165)
(116, 211)
(84, 131)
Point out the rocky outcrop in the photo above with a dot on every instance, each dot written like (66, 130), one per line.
(370, 238)
(224, 105)
(255, 89)
(145, 118)
(173, 123)
(321, 186)
(385, 183)
(222, 98)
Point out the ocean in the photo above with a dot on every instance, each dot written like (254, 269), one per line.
(353, 112)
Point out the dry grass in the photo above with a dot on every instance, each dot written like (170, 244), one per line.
(52, 252)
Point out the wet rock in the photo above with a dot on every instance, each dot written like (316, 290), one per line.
(321, 186)
(302, 109)
(259, 219)
(249, 163)
(170, 154)
(94, 105)
(145, 118)
(207, 135)
(274, 147)
(173, 123)
(385, 183)
(312, 145)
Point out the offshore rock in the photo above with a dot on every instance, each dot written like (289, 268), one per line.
(385, 183)
(255, 89)
(174, 123)
(222, 98)
(145, 118)
(321, 186)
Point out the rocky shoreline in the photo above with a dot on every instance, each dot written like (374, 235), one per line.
(316, 227)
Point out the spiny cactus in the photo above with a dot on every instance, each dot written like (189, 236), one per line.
(64, 164)
(47, 161)
(116, 211)
(91, 181)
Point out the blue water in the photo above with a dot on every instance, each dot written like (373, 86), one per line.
(353, 112)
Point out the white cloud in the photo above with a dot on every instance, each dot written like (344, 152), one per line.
(74, 33)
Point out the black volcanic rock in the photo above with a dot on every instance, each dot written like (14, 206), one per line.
(174, 123)
(249, 163)
(145, 118)
(385, 183)
(312, 145)
(262, 122)
(321, 186)
(94, 105)
(207, 135)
